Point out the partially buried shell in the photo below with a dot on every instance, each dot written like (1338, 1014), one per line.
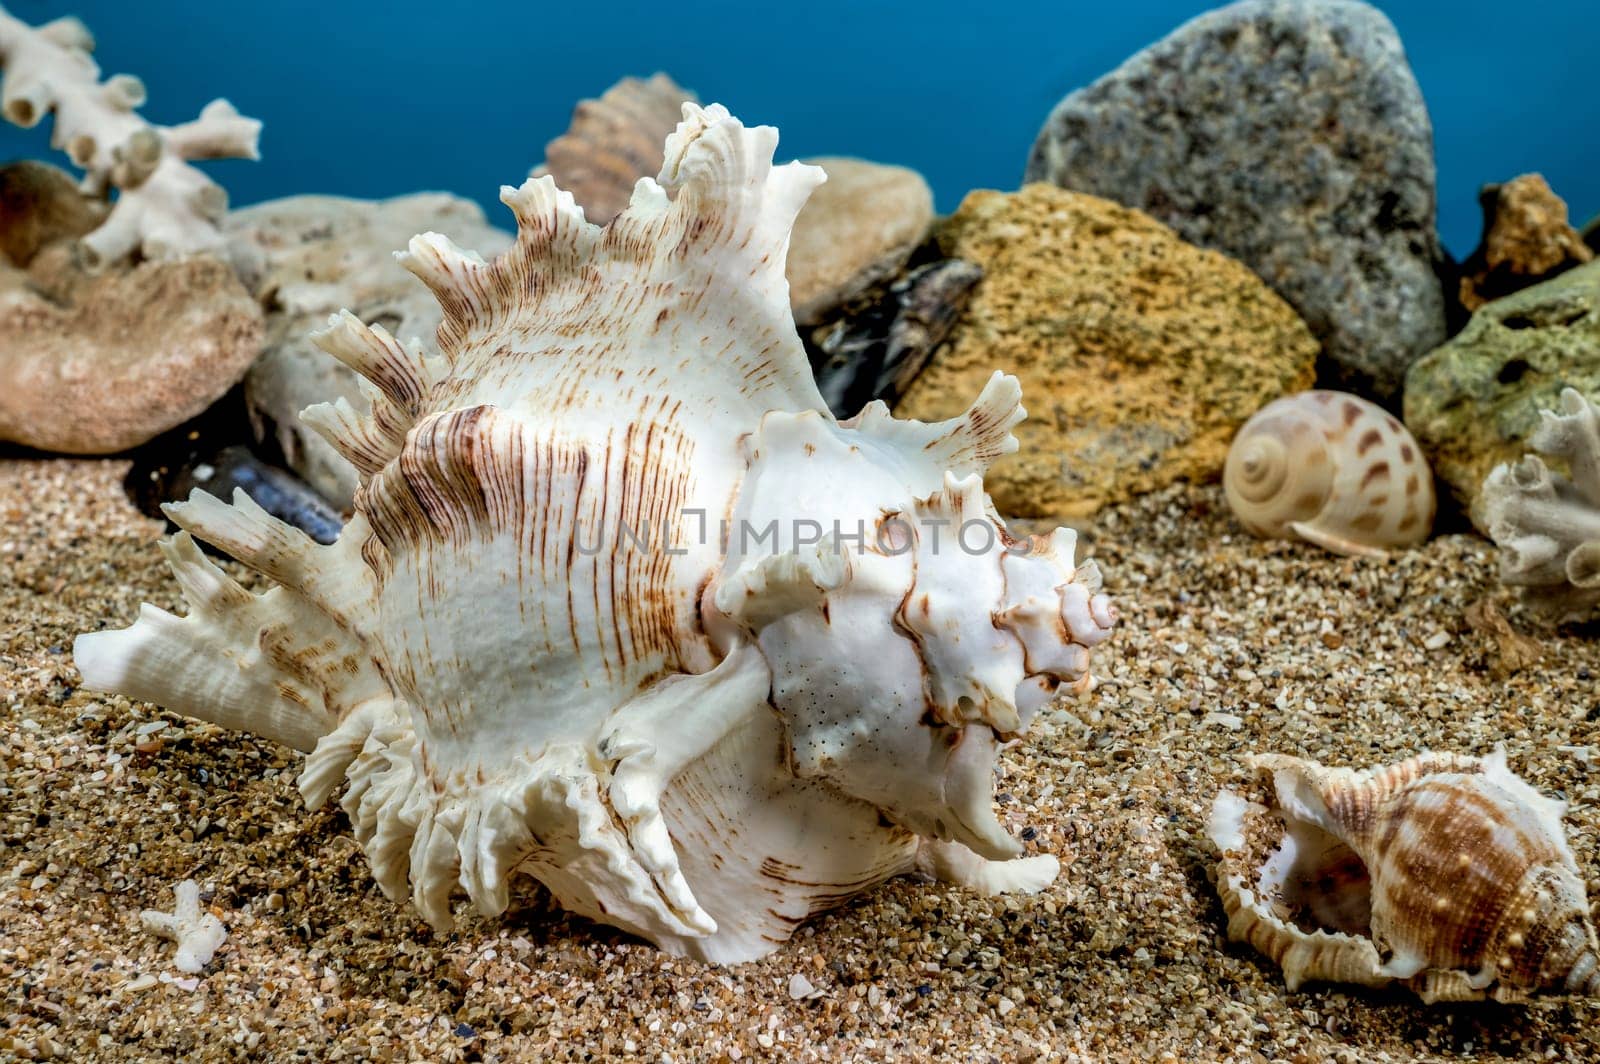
(1333, 469)
(1444, 873)
(622, 606)
(613, 142)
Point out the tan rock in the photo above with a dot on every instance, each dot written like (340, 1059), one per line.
(1139, 355)
(1526, 238)
(95, 364)
(859, 228)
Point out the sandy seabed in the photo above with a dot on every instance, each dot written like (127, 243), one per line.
(1227, 646)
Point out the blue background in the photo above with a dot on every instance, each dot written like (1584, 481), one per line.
(374, 99)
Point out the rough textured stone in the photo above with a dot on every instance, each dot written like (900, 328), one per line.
(1526, 239)
(306, 257)
(859, 228)
(1139, 355)
(98, 363)
(1473, 402)
(1291, 135)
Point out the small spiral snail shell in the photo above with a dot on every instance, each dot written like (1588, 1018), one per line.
(1446, 874)
(1332, 469)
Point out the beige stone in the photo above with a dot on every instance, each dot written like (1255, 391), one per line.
(856, 230)
(1139, 355)
(95, 364)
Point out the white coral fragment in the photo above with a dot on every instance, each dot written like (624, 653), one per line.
(198, 934)
(1546, 525)
(165, 208)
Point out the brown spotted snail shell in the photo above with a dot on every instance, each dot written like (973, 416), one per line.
(1333, 469)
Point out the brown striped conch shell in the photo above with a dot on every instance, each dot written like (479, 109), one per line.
(1547, 525)
(622, 606)
(613, 142)
(1445, 874)
(1332, 469)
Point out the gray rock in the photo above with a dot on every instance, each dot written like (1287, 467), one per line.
(306, 257)
(1291, 135)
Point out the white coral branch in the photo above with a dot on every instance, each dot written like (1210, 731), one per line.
(1546, 525)
(165, 207)
(197, 933)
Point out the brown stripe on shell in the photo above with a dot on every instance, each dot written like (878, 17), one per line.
(478, 473)
(1448, 838)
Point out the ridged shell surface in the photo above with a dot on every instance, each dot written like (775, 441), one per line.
(613, 142)
(622, 606)
(1332, 469)
(1443, 873)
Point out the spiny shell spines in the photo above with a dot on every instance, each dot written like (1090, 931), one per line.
(1333, 469)
(702, 739)
(1447, 874)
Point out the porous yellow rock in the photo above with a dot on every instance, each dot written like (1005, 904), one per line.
(1139, 355)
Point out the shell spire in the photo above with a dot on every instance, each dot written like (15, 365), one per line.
(713, 231)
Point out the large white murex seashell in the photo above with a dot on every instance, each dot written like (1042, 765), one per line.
(1442, 873)
(523, 657)
(1333, 469)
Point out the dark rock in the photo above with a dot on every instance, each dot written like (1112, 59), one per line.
(210, 453)
(1291, 135)
(40, 204)
(876, 352)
